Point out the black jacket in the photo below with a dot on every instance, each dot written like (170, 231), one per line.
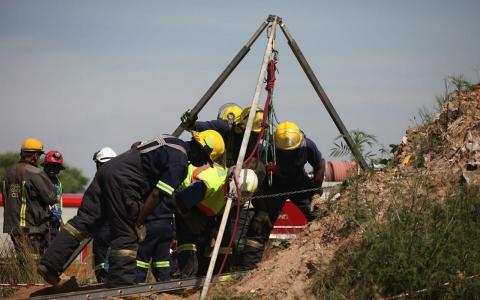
(27, 191)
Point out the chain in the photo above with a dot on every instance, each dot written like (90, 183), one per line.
(234, 197)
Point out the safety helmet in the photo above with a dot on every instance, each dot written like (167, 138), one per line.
(287, 136)
(230, 111)
(53, 156)
(104, 155)
(247, 182)
(211, 142)
(257, 120)
(32, 145)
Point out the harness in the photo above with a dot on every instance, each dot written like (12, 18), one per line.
(157, 142)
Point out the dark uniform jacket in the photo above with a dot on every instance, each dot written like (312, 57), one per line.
(26, 191)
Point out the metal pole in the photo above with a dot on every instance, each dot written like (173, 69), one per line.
(241, 155)
(221, 79)
(323, 96)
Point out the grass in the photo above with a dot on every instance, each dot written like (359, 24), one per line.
(12, 271)
(419, 243)
(416, 236)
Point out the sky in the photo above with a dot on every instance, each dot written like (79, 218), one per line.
(83, 75)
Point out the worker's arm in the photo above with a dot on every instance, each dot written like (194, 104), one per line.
(45, 188)
(153, 200)
(194, 219)
(318, 174)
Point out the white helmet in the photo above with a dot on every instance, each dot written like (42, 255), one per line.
(104, 155)
(247, 182)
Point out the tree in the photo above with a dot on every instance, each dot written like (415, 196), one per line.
(361, 140)
(72, 179)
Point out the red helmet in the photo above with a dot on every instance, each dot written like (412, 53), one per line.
(54, 156)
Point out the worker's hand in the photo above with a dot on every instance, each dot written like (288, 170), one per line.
(261, 218)
(141, 232)
(195, 222)
(174, 246)
(187, 118)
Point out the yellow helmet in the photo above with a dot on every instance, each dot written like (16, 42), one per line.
(230, 110)
(32, 145)
(257, 120)
(288, 136)
(211, 141)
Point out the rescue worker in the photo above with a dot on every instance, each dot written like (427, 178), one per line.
(156, 246)
(126, 190)
(101, 241)
(27, 192)
(197, 204)
(293, 150)
(52, 165)
(232, 128)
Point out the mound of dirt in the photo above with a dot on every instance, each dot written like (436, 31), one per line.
(448, 144)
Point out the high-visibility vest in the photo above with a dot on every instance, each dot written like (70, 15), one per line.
(215, 181)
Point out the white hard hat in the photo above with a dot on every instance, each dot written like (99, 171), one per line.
(104, 155)
(247, 182)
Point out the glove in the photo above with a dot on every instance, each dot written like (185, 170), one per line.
(141, 232)
(195, 222)
(261, 218)
(55, 222)
(211, 243)
(186, 117)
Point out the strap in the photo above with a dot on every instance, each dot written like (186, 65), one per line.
(160, 142)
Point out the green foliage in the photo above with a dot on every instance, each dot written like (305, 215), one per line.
(419, 243)
(361, 141)
(72, 178)
(460, 85)
(7, 161)
(387, 161)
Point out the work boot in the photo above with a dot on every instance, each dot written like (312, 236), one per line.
(50, 275)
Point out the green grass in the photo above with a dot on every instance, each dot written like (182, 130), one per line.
(420, 243)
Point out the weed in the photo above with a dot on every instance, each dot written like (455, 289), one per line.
(419, 243)
(15, 268)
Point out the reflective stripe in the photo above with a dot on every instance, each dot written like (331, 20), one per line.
(223, 250)
(165, 187)
(124, 252)
(60, 188)
(142, 264)
(23, 208)
(254, 244)
(187, 247)
(161, 264)
(73, 231)
(100, 266)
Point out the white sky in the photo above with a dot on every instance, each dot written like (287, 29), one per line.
(82, 75)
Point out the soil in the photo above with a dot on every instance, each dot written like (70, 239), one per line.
(287, 274)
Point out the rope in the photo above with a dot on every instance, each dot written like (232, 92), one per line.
(270, 84)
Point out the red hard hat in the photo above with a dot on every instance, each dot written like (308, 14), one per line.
(54, 156)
